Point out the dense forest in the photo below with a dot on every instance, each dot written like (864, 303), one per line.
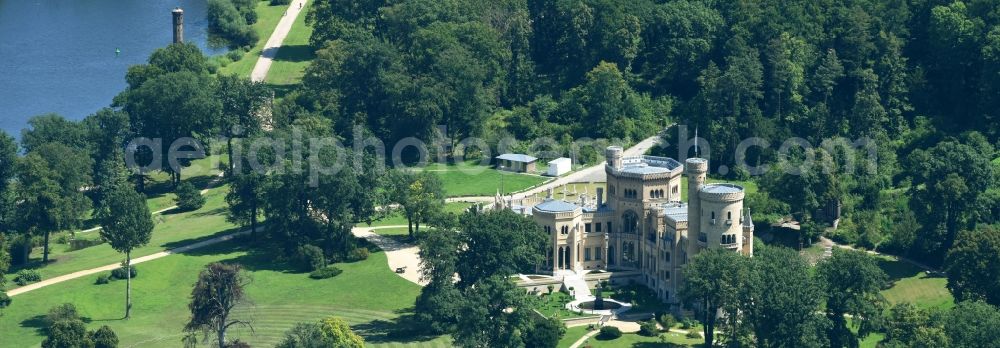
(917, 79)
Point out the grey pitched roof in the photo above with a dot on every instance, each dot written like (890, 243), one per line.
(517, 157)
(556, 206)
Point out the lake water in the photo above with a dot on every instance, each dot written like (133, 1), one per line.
(59, 55)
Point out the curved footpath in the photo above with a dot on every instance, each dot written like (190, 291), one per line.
(138, 260)
(274, 42)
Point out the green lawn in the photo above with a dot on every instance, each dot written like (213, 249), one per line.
(572, 334)
(172, 230)
(554, 305)
(368, 295)
(627, 340)
(294, 55)
(267, 19)
(486, 182)
(159, 192)
(912, 284)
(397, 218)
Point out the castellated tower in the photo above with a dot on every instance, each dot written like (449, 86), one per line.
(613, 155)
(696, 169)
(721, 215)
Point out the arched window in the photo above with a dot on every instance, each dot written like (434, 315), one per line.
(729, 215)
(630, 222)
(713, 215)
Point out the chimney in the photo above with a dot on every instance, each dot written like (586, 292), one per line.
(178, 14)
(600, 197)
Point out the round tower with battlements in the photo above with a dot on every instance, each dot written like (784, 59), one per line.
(697, 170)
(613, 155)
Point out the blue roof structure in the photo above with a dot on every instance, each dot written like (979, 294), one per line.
(517, 157)
(556, 206)
(722, 188)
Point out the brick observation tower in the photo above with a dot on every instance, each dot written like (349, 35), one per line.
(178, 15)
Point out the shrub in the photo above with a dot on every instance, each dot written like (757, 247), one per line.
(687, 323)
(104, 338)
(693, 334)
(237, 344)
(188, 197)
(25, 276)
(5, 300)
(610, 332)
(309, 258)
(325, 272)
(358, 254)
(280, 2)
(102, 279)
(231, 23)
(62, 239)
(63, 312)
(667, 321)
(20, 250)
(648, 328)
(67, 333)
(119, 273)
(234, 55)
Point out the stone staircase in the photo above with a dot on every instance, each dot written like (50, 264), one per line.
(580, 289)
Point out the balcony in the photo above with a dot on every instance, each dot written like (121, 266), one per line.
(732, 246)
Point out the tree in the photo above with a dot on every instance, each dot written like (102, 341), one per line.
(188, 197)
(243, 109)
(495, 314)
(852, 281)
(948, 178)
(497, 243)
(53, 128)
(784, 300)
(545, 333)
(172, 107)
(712, 281)
(902, 324)
(340, 334)
(220, 289)
(67, 334)
(972, 324)
(304, 335)
(104, 337)
(440, 302)
(8, 169)
(245, 196)
(4, 260)
(51, 190)
(126, 224)
(420, 195)
(972, 263)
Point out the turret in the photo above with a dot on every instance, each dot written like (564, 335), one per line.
(614, 157)
(696, 169)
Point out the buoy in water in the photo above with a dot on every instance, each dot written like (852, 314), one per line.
(118, 51)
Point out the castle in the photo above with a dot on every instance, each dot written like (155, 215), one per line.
(642, 229)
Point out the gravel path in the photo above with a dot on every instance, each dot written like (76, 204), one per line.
(274, 42)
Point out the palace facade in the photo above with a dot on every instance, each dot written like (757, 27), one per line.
(639, 224)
